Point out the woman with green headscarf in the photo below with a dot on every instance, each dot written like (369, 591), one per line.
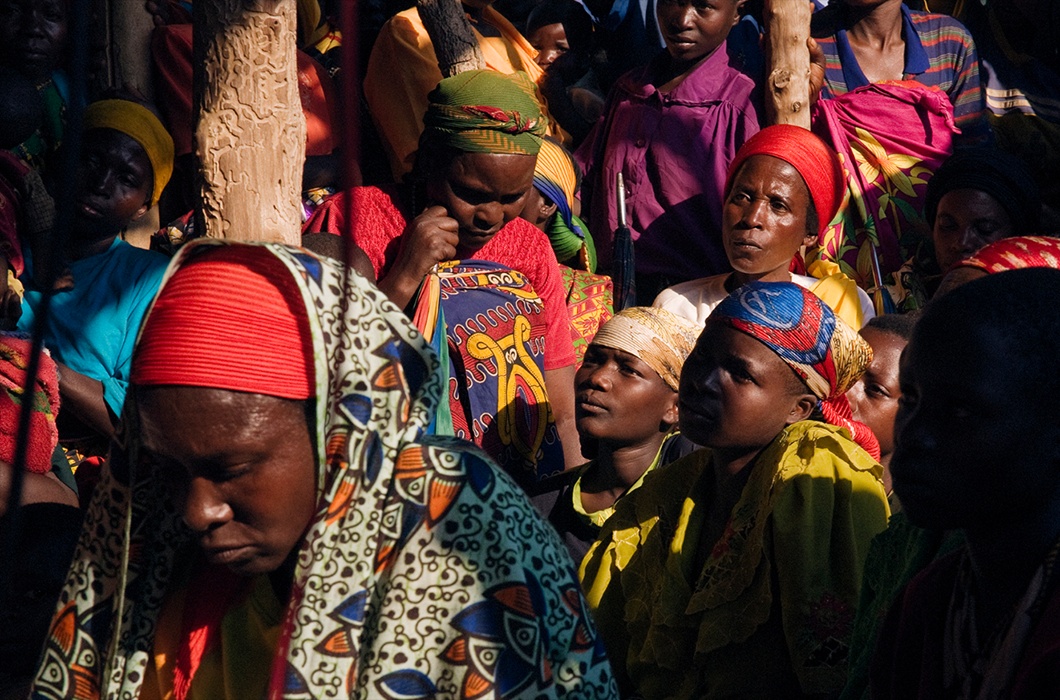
(452, 252)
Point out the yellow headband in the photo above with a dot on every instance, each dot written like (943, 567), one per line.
(138, 123)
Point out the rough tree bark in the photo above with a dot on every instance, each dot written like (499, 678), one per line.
(250, 131)
(455, 44)
(787, 25)
(130, 46)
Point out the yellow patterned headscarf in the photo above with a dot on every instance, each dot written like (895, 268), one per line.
(483, 111)
(661, 339)
(137, 122)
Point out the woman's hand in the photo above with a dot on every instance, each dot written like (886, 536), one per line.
(428, 239)
(817, 62)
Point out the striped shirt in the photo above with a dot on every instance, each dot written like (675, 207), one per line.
(939, 52)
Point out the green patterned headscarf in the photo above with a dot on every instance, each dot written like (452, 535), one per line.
(483, 111)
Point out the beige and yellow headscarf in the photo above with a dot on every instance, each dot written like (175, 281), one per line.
(658, 337)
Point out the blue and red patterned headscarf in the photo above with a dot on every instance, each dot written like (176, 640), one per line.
(825, 353)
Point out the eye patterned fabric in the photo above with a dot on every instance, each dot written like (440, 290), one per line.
(826, 353)
(425, 573)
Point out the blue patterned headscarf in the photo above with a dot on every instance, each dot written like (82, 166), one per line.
(826, 353)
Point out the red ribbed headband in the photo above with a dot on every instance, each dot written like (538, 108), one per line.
(230, 318)
(804, 151)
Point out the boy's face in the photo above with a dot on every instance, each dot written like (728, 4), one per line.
(874, 398)
(966, 221)
(116, 183)
(764, 216)
(550, 42)
(973, 446)
(692, 29)
(33, 35)
(736, 393)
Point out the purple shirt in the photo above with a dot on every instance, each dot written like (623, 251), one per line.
(673, 150)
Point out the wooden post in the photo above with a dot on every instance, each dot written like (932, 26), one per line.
(130, 46)
(787, 25)
(250, 131)
(455, 44)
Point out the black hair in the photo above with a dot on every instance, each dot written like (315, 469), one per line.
(1001, 175)
(900, 325)
(21, 108)
(813, 219)
(1019, 309)
(546, 13)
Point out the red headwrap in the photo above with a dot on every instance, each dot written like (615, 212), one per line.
(1016, 253)
(804, 151)
(231, 317)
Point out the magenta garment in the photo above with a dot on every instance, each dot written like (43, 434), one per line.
(891, 137)
(673, 151)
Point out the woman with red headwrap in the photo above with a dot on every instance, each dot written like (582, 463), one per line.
(735, 571)
(782, 189)
(275, 522)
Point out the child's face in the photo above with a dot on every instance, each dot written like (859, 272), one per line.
(764, 218)
(692, 29)
(736, 393)
(874, 398)
(972, 448)
(550, 42)
(116, 183)
(33, 35)
(619, 398)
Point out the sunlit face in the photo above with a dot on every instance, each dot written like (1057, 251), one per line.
(693, 29)
(736, 393)
(483, 192)
(115, 186)
(619, 398)
(764, 218)
(974, 447)
(550, 42)
(33, 35)
(874, 397)
(966, 220)
(242, 470)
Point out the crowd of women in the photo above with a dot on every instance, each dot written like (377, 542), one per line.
(596, 386)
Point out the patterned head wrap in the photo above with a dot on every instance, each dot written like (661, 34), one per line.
(44, 397)
(816, 162)
(483, 111)
(1016, 253)
(398, 528)
(137, 122)
(828, 355)
(1001, 175)
(556, 178)
(661, 339)
(188, 339)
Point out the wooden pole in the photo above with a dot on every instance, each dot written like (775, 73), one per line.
(130, 46)
(455, 44)
(787, 24)
(250, 131)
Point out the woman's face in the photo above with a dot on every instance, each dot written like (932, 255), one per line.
(965, 221)
(116, 182)
(33, 35)
(619, 398)
(737, 394)
(242, 470)
(483, 192)
(764, 217)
